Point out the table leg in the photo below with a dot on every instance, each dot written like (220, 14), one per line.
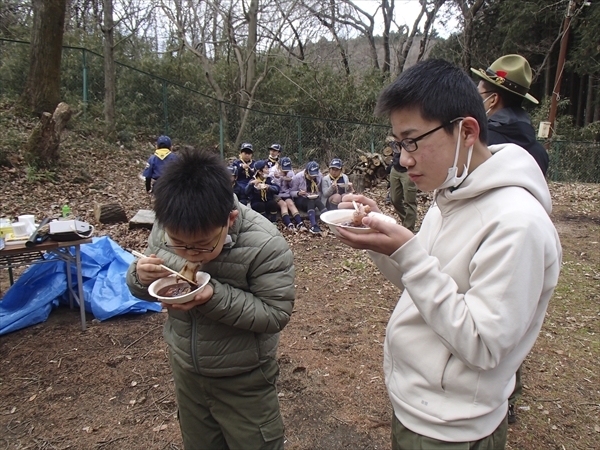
(67, 259)
(80, 286)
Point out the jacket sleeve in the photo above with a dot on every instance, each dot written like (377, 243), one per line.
(295, 186)
(268, 306)
(155, 246)
(512, 275)
(248, 189)
(273, 187)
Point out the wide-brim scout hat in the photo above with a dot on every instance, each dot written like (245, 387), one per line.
(510, 72)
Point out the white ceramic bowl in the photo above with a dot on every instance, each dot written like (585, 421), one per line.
(312, 196)
(261, 186)
(335, 218)
(202, 278)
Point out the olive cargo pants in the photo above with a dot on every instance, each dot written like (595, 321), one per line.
(236, 413)
(405, 439)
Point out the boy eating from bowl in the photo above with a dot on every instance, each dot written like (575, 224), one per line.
(223, 343)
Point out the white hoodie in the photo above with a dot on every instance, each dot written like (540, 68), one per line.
(477, 279)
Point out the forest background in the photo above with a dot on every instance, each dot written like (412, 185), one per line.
(307, 74)
(301, 72)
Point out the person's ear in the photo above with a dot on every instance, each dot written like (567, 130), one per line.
(470, 131)
(232, 216)
(494, 101)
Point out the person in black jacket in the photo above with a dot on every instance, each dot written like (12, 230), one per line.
(503, 86)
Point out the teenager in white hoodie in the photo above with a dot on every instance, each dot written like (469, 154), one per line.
(477, 277)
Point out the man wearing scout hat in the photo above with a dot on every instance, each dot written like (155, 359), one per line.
(503, 86)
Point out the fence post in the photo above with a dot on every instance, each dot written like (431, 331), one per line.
(221, 131)
(372, 139)
(85, 84)
(165, 107)
(299, 127)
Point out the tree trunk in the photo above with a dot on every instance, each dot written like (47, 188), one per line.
(596, 89)
(109, 72)
(109, 213)
(42, 146)
(42, 90)
(388, 15)
(469, 10)
(580, 110)
(589, 102)
(252, 17)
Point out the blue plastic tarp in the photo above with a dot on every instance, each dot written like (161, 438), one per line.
(42, 286)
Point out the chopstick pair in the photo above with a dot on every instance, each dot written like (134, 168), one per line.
(141, 255)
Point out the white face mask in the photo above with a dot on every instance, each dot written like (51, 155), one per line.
(489, 109)
(452, 179)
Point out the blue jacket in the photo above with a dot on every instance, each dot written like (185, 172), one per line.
(157, 162)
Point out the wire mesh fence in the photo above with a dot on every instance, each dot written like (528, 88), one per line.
(148, 105)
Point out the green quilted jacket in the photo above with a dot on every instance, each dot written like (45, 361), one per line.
(238, 329)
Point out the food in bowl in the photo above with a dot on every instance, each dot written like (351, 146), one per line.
(358, 215)
(343, 218)
(312, 196)
(174, 290)
(261, 186)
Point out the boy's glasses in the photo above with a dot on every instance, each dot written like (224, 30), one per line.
(410, 144)
(196, 249)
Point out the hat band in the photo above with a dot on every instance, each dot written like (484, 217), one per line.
(515, 87)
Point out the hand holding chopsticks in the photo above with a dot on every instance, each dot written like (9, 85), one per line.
(141, 255)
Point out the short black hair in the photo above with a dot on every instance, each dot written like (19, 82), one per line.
(440, 90)
(194, 193)
(509, 99)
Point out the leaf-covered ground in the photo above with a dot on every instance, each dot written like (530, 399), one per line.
(110, 387)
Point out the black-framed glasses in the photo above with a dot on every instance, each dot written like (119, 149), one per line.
(410, 144)
(196, 249)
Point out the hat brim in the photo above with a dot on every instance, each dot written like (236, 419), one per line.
(481, 74)
(246, 150)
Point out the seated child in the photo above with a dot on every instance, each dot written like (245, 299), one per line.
(156, 163)
(236, 187)
(305, 191)
(273, 161)
(223, 343)
(284, 200)
(261, 192)
(334, 185)
(245, 170)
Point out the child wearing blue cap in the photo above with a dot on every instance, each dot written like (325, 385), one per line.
(284, 198)
(334, 185)
(156, 163)
(261, 192)
(306, 192)
(245, 171)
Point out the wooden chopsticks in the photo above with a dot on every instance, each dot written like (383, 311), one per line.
(141, 255)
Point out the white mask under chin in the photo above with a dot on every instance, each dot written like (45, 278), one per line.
(452, 179)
